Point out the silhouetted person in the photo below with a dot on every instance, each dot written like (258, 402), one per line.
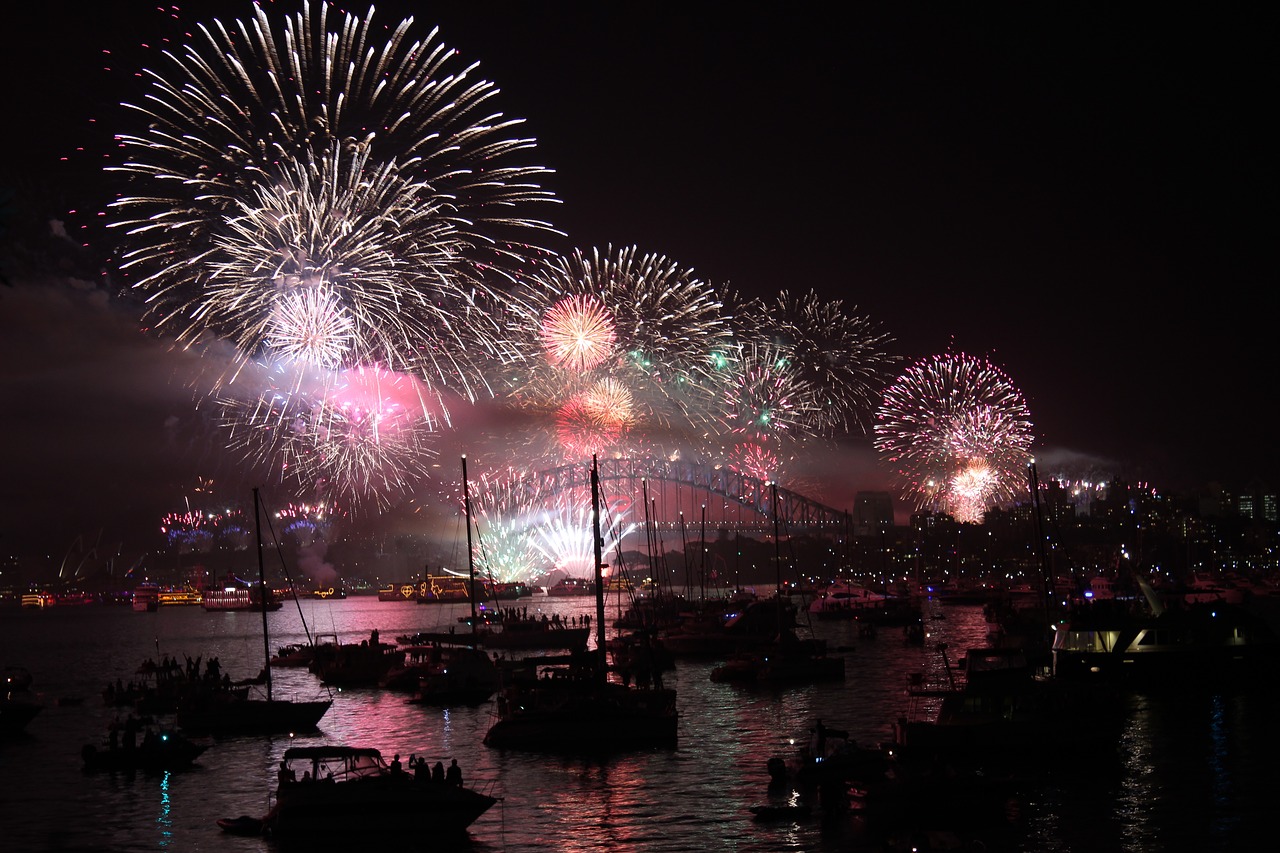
(454, 774)
(437, 772)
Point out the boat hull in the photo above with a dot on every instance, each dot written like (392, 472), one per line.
(252, 716)
(585, 720)
(383, 806)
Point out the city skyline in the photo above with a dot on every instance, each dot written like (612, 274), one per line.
(1025, 188)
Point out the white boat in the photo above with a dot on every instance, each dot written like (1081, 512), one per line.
(848, 600)
(146, 597)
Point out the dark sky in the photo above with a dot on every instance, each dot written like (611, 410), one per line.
(1084, 193)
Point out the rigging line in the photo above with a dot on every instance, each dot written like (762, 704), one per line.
(285, 568)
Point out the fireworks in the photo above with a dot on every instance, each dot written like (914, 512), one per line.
(578, 333)
(318, 195)
(767, 398)
(958, 434)
(839, 355)
(363, 436)
(282, 158)
(640, 322)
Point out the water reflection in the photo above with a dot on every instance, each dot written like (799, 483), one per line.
(1188, 773)
(165, 820)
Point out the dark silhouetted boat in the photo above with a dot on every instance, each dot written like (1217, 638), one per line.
(159, 750)
(577, 708)
(347, 796)
(17, 704)
(240, 712)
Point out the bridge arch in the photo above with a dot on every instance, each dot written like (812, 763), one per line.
(628, 479)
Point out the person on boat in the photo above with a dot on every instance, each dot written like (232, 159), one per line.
(421, 772)
(819, 740)
(454, 774)
(284, 774)
(396, 768)
(437, 772)
(130, 732)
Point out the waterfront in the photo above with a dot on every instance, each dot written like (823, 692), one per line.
(1190, 772)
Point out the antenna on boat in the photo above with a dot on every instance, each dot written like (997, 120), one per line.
(262, 583)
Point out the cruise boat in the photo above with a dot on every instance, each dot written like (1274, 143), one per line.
(179, 597)
(443, 589)
(572, 586)
(238, 595)
(347, 795)
(146, 598)
(398, 592)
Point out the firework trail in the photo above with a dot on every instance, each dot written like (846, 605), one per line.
(958, 434)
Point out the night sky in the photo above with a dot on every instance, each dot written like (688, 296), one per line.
(1079, 194)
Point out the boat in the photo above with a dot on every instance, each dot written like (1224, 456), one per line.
(569, 586)
(362, 664)
(450, 676)
(399, 592)
(179, 598)
(576, 708)
(723, 629)
(998, 708)
(17, 704)
(348, 795)
(508, 591)
(160, 750)
(38, 600)
(523, 633)
(220, 712)
(146, 597)
(844, 600)
(785, 658)
(1123, 642)
(236, 594)
(442, 589)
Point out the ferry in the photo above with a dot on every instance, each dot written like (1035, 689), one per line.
(146, 597)
(398, 592)
(178, 597)
(235, 596)
(36, 600)
(572, 586)
(443, 589)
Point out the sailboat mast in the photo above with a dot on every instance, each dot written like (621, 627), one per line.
(1046, 582)
(777, 553)
(596, 545)
(471, 563)
(262, 588)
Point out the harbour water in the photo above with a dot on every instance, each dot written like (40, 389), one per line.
(1191, 771)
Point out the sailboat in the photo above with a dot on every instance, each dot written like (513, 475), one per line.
(577, 709)
(787, 659)
(233, 712)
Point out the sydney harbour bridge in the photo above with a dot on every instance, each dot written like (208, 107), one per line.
(677, 492)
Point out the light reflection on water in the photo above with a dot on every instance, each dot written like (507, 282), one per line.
(696, 798)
